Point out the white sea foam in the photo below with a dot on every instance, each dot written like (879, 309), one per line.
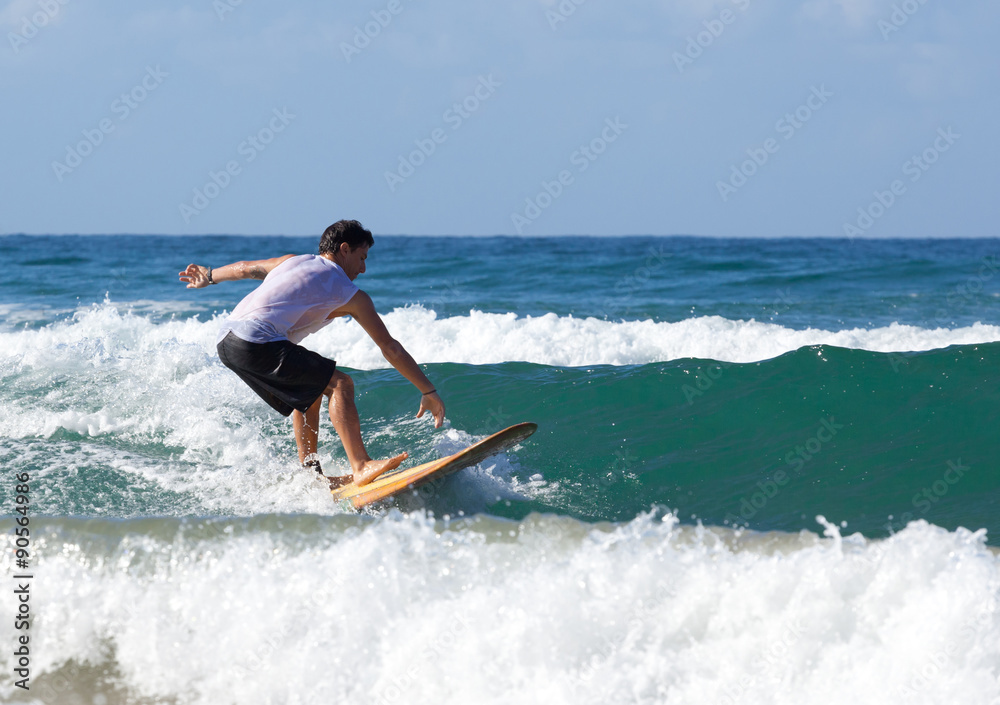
(77, 394)
(481, 338)
(548, 610)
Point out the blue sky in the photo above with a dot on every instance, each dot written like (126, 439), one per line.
(868, 118)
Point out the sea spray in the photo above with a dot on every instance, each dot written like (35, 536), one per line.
(493, 611)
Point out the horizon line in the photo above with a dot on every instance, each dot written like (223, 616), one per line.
(530, 237)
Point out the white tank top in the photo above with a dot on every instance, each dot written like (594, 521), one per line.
(295, 299)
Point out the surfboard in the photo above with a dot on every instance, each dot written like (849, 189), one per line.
(397, 481)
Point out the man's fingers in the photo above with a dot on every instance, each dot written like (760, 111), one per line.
(437, 413)
(190, 275)
(194, 276)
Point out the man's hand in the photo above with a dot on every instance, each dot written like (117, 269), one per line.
(196, 276)
(433, 404)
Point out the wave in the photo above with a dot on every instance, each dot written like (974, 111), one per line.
(481, 338)
(122, 417)
(280, 609)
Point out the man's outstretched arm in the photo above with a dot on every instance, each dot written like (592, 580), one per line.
(197, 276)
(361, 307)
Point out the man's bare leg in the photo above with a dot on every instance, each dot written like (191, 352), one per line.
(307, 429)
(344, 415)
(307, 437)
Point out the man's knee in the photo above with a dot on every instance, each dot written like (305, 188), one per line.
(340, 383)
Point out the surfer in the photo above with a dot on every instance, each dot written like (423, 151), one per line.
(301, 294)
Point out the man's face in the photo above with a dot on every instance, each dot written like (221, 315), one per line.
(353, 263)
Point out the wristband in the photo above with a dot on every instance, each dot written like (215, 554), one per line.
(210, 276)
(433, 391)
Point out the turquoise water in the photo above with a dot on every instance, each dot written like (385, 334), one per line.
(655, 368)
(732, 433)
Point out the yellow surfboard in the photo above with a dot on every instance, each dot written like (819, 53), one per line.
(397, 481)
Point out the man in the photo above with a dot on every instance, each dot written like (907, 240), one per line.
(300, 295)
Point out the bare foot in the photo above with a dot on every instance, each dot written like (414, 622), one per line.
(373, 468)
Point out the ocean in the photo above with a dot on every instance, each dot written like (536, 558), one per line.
(765, 471)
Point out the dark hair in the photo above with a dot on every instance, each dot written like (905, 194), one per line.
(350, 231)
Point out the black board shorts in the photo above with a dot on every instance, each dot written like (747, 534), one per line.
(285, 375)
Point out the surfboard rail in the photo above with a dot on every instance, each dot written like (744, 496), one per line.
(397, 481)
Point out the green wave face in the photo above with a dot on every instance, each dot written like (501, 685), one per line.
(876, 440)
